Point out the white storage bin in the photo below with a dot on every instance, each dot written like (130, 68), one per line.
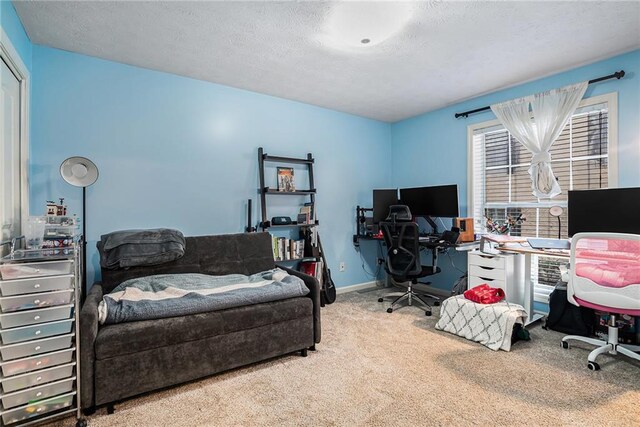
(35, 269)
(33, 363)
(29, 348)
(39, 300)
(42, 330)
(18, 382)
(31, 317)
(32, 394)
(38, 408)
(36, 284)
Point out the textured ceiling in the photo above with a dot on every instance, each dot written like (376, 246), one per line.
(446, 53)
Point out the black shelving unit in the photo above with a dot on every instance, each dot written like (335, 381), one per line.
(314, 251)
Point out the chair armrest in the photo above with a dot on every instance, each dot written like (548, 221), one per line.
(88, 333)
(314, 293)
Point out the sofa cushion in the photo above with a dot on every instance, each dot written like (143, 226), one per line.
(126, 338)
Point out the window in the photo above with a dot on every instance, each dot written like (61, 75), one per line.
(582, 158)
(13, 142)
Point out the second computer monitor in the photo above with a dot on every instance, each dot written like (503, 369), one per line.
(382, 199)
(436, 201)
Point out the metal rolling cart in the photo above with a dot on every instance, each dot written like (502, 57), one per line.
(40, 342)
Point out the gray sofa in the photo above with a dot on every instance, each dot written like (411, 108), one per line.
(127, 359)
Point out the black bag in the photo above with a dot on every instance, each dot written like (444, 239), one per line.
(461, 285)
(566, 317)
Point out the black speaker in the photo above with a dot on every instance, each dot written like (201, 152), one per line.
(280, 220)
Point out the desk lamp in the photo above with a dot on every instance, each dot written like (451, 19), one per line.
(557, 212)
(81, 172)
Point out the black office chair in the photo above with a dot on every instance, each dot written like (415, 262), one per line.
(402, 263)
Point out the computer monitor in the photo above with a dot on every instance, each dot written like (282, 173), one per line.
(382, 199)
(613, 210)
(437, 201)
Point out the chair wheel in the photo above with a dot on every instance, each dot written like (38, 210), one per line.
(593, 366)
(565, 344)
(389, 310)
(81, 423)
(436, 303)
(427, 313)
(380, 299)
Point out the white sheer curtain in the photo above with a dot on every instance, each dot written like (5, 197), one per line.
(537, 121)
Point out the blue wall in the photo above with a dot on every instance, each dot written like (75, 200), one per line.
(431, 149)
(13, 28)
(178, 152)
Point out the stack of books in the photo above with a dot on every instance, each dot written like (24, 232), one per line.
(313, 268)
(287, 249)
(306, 215)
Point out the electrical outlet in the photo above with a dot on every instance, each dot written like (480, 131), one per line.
(342, 266)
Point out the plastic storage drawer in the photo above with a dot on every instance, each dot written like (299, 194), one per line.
(38, 408)
(32, 332)
(18, 398)
(41, 361)
(40, 300)
(16, 351)
(31, 317)
(33, 285)
(35, 269)
(18, 382)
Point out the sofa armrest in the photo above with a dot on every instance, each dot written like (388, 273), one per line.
(88, 333)
(314, 294)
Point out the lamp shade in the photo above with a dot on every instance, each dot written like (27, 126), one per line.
(79, 171)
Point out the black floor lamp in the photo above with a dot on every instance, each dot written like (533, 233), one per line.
(81, 172)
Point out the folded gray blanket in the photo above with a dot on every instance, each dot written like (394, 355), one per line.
(131, 248)
(170, 295)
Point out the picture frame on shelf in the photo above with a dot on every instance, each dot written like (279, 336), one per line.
(286, 182)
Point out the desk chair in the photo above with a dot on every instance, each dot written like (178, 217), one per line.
(402, 261)
(605, 276)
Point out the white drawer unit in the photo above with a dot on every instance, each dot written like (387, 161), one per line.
(39, 370)
(504, 271)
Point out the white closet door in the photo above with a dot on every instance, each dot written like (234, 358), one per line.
(10, 213)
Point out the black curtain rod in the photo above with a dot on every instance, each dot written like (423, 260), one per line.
(617, 75)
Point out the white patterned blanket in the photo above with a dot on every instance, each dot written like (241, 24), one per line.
(488, 324)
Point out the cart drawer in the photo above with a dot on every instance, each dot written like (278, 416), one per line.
(35, 269)
(18, 398)
(485, 260)
(38, 408)
(37, 284)
(18, 382)
(31, 317)
(33, 363)
(40, 300)
(30, 348)
(32, 332)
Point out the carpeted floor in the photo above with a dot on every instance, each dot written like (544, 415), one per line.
(379, 369)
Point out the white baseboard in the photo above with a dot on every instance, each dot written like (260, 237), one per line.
(357, 287)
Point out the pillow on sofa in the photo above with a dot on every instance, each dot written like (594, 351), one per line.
(133, 248)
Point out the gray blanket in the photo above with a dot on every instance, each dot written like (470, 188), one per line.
(131, 248)
(170, 295)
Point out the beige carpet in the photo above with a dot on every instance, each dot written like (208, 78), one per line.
(379, 369)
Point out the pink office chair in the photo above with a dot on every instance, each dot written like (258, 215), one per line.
(605, 276)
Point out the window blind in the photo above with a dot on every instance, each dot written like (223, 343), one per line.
(502, 185)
